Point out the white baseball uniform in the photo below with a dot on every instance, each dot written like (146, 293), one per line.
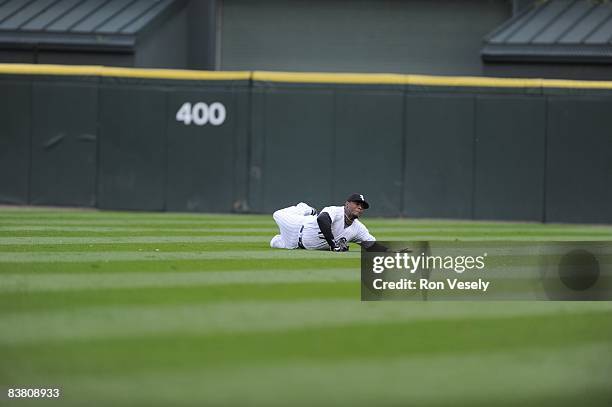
(296, 222)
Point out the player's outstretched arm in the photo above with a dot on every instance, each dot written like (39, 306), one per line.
(374, 246)
(325, 222)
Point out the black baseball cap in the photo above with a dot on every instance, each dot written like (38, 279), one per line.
(358, 198)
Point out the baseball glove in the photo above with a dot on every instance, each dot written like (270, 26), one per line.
(341, 245)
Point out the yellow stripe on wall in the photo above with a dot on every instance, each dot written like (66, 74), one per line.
(175, 74)
(36, 69)
(340, 78)
(300, 77)
(473, 81)
(425, 80)
(87, 70)
(571, 84)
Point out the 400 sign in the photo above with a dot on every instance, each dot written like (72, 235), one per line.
(200, 113)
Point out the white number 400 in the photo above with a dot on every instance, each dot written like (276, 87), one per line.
(201, 113)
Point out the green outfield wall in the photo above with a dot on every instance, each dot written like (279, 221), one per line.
(418, 146)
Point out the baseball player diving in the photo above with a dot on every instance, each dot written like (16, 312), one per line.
(332, 229)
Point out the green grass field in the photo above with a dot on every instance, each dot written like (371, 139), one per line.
(184, 309)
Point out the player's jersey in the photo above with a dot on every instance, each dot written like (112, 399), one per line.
(312, 237)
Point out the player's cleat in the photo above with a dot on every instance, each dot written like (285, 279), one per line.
(277, 242)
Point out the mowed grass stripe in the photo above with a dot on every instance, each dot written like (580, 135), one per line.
(75, 215)
(9, 237)
(119, 229)
(139, 247)
(68, 282)
(502, 269)
(266, 236)
(255, 221)
(321, 345)
(94, 224)
(263, 316)
(134, 233)
(234, 264)
(509, 266)
(208, 243)
(45, 301)
(272, 227)
(50, 257)
(28, 300)
(71, 240)
(540, 374)
(141, 222)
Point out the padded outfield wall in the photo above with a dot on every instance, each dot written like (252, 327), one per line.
(109, 138)
(418, 146)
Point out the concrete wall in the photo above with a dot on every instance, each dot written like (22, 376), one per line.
(404, 36)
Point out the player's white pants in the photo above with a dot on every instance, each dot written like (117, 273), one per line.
(289, 220)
